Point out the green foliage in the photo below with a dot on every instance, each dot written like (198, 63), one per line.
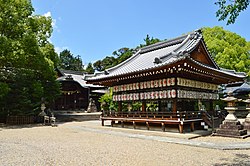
(230, 10)
(4, 89)
(148, 41)
(107, 102)
(90, 69)
(229, 50)
(67, 61)
(27, 59)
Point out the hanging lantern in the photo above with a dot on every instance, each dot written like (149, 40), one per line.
(165, 94)
(156, 95)
(160, 94)
(148, 84)
(137, 85)
(141, 85)
(152, 95)
(142, 96)
(173, 92)
(156, 82)
(160, 82)
(152, 84)
(164, 82)
(173, 81)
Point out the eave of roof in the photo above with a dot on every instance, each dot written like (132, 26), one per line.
(164, 53)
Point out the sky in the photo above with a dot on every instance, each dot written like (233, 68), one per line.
(94, 29)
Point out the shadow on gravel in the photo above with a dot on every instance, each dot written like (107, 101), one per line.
(239, 160)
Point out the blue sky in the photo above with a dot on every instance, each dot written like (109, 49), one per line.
(94, 29)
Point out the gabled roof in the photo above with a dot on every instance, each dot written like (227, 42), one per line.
(161, 54)
(78, 77)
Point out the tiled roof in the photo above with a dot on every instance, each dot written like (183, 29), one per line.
(159, 54)
(78, 77)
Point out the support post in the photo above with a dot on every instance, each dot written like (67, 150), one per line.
(144, 106)
(192, 126)
(163, 127)
(147, 125)
(119, 106)
(175, 105)
(134, 125)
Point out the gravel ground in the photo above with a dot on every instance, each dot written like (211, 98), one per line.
(67, 144)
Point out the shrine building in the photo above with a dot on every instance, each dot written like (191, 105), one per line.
(172, 82)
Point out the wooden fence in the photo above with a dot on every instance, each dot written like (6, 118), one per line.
(18, 120)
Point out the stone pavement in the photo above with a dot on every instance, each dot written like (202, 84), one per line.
(169, 137)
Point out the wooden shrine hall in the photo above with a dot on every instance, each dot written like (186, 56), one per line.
(173, 82)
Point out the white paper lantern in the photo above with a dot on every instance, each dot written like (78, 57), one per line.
(152, 84)
(173, 93)
(165, 94)
(156, 95)
(145, 85)
(172, 81)
(160, 82)
(156, 82)
(164, 82)
(160, 94)
(169, 93)
(152, 95)
(137, 85)
(141, 85)
(148, 84)
(169, 81)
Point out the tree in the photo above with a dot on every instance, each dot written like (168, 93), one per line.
(67, 61)
(148, 41)
(98, 65)
(229, 50)
(230, 10)
(27, 58)
(90, 69)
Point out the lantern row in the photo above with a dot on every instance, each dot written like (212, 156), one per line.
(145, 85)
(146, 95)
(164, 83)
(196, 95)
(196, 84)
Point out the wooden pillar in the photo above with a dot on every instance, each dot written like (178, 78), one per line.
(119, 106)
(163, 127)
(174, 105)
(144, 106)
(112, 123)
(212, 111)
(181, 128)
(147, 124)
(192, 126)
(134, 125)
(159, 106)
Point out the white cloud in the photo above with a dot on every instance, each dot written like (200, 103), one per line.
(48, 14)
(60, 49)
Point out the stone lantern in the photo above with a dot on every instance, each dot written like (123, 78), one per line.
(231, 127)
(230, 107)
(247, 120)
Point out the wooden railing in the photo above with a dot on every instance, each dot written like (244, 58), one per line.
(18, 120)
(155, 115)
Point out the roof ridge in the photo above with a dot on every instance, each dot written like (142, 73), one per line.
(163, 44)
